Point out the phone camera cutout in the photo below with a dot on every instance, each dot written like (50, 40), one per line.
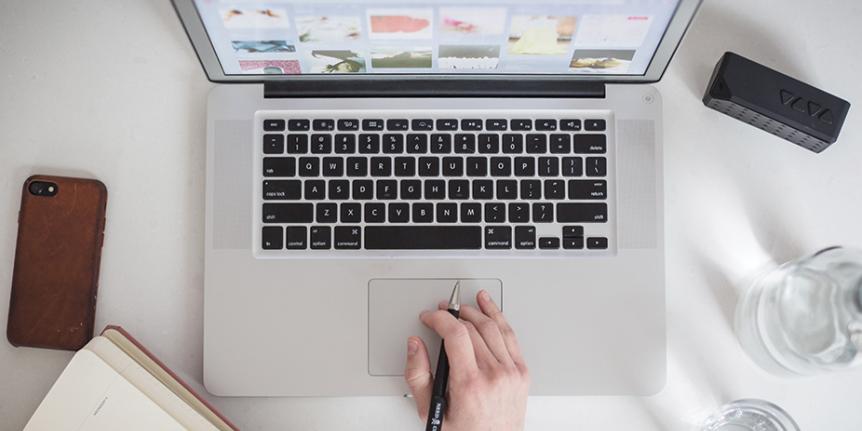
(43, 188)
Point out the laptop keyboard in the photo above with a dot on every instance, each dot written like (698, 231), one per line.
(404, 181)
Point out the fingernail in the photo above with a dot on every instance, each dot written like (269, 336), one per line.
(484, 294)
(412, 347)
(424, 312)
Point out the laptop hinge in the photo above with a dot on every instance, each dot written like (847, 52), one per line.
(431, 87)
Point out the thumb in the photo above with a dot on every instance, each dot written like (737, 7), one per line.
(417, 373)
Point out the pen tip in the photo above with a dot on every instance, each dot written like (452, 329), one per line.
(455, 299)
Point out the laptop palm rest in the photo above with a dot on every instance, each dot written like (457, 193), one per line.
(393, 315)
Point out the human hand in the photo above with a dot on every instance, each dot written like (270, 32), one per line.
(488, 379)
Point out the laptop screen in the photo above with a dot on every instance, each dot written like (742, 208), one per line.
(574, 37)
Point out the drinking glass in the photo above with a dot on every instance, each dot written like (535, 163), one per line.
(750, 415)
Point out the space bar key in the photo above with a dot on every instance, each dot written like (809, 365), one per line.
(423, 237)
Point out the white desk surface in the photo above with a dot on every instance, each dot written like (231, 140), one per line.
(113, 90)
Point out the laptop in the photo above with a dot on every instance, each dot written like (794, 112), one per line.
(362, 157)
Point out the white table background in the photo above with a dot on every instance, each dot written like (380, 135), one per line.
(111, 89)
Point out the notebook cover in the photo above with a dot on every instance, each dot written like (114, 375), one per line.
(170, 372)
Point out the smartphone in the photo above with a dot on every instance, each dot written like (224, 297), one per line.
(56, 272)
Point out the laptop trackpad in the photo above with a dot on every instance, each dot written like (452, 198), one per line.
(393, 315)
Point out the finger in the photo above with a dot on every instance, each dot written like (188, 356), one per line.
(490, 332)
(417, 373)
(487, 305)
(456, 339)
(484, 358)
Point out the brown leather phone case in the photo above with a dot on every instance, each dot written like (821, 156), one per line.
(56, 273)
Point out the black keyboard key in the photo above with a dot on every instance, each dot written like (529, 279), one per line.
(375, 213)
(422, 124)
(435, 189)
(477, 166)
(560, 144)
(387, 189)
(537, 144)
(483, 189)
(471, 124)
(339, 190)
(521, 124)
(320, 238)
(429, 166)
(297, 238)
(315, 190)
(348, 124)
(519, 213)
(333, 167)
(555, 189)
(597, 243)
(345, 144)
(574, 125)
(393, 143)
(525, 166)
(496, 124)
(572, 166)
(323, 125)
(453, 166)
(495, 213)
(273, 144)
(348, 237)
(501, 166)
(272, 238)
(459, 189)
(596, 167)
(363, 190)
(405, 166)
(372, 124)
(417, 143)
(507, 189)
(298, 125)
(321, 144)
(549, 125)
(447, 124)
(399, 213)
(498, 237)
(326, 213)
(543, 213)
(423, 213)
(573, 231)
(279, 166)
(549, 166)
(423, 237)
(381, 166)
(465, 144)
(441, 143)
(369, 144)
(513, 144)
(591, 144)
(573, 243)
(588, 189)
(309, 166)
(471, 213)
(349, 213)
(297, 144)
(525, 237)
(411, 189)
(582, 212)
(357, 166)
(549, 243)
(594, 125)
(489, 144)
(288, 213)
(397, 124)
(447, 213)
(531, 189)
(273, 125)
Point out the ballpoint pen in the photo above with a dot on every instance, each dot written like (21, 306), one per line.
(441, 377)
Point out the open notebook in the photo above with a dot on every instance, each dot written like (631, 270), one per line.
(115, 383)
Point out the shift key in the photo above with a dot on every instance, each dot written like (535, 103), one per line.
(582, 213)
(288, 213)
